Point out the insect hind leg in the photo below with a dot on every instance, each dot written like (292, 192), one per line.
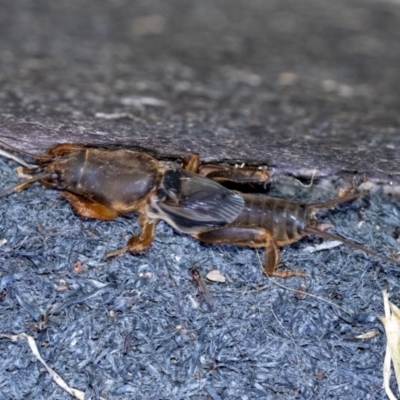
(334, 202)
(252, 237)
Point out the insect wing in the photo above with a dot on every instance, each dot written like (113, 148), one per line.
(206, 197)
(199, 199)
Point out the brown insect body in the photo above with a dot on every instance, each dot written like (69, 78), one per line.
(284, 219)
(101, 183)
(262, 222)
(105, 183)
(274, 222)
(119, 180)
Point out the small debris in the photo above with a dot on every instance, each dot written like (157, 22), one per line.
(301, 292)
(216, 276)
(203, 289)
(150, 25)
(323, 246)
(127, 343)
(324, 227)
(142, 101)
(78, 267)
(340, 89)
(367, 335)
(287, 78)
(114, 116)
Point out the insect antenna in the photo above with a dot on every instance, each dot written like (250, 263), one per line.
(315, 231)
(16, 158)
(40, 158)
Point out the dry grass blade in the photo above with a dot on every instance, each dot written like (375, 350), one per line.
(367, 335)
(391, 322)
(78, 394)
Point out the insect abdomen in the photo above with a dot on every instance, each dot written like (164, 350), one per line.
(284, 219)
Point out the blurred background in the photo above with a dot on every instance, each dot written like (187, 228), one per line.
(316, 83)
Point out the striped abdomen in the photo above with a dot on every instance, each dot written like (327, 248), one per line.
(284, 219)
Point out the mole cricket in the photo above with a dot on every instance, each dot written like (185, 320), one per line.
(106, 183)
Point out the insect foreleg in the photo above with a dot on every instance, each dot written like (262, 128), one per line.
(191, 163)
(138, 243)
(89, 208)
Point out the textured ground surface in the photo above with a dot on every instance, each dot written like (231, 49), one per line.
(306, 87)
(261, 340)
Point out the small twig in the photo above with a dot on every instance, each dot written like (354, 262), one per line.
(312, 180)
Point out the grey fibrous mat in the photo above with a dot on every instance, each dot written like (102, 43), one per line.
(135, 327)
(308, 88)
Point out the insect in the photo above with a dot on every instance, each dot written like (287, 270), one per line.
(106, 183)
(263, 222)
(203, 289)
